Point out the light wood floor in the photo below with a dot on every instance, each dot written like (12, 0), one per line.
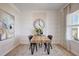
(23, 50)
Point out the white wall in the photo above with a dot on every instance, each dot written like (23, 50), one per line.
(9, 44)
(26, 24)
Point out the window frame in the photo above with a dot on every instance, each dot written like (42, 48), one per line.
(70, 25)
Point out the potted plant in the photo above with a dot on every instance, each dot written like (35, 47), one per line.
(39, 31)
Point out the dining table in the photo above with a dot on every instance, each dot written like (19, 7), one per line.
(40, 39)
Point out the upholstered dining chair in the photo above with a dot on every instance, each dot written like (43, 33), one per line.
(32, 44)
(50, 37)
(45, 44)
(30, 37)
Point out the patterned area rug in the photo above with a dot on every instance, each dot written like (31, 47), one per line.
(23, 50)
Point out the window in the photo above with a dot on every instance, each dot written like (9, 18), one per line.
(75, 33)
(73, 23)
(74, 19)
(75, 26)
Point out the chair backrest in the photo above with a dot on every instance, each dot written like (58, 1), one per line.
(30, 37)
(50, 37)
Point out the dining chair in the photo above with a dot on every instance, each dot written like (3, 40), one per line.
(50, 37)
(30, 37)
(32, 45)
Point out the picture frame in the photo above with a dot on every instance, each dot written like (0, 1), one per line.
(7, 25)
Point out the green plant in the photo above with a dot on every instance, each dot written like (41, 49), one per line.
(39, 31)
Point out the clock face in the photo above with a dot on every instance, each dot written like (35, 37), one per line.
(39, 23)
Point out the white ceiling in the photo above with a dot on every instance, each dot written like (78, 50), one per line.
(39, 6)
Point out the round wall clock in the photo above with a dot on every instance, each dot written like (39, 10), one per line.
(39, 23)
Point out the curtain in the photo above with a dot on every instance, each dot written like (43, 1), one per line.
(65, 12)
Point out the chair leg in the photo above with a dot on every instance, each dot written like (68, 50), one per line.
(30, 46)
(51, 45)
(48, 48)
(36, 48)
(45, 46)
